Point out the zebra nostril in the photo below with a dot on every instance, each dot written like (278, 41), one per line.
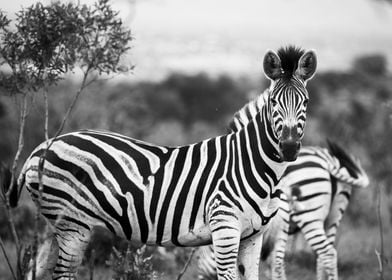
(289, 149)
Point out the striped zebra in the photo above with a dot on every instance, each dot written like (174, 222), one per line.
(221, 191)
(317, 188)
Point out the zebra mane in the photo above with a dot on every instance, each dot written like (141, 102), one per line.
(289, 57)
(345, 159)
(242, 117)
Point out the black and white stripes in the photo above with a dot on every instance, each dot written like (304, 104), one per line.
(221, 190)
(316, 188)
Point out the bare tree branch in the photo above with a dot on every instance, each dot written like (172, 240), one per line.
(186, 264)
(7, 259)
(380, 255)
(46, 104)
(23, 116)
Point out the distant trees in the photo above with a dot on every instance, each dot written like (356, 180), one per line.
(373, 65)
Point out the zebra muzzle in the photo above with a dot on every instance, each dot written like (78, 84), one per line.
(290, 142)
(289, 149)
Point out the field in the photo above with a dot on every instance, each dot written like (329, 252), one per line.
(357, 258)
(356, 250)
(353, 108)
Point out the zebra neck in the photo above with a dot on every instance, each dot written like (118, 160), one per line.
(258, 150)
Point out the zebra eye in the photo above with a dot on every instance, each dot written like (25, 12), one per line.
(306, 103)
(274, 102)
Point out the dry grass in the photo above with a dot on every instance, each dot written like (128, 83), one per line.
(356, 253)
(357, 258)
(356, 249)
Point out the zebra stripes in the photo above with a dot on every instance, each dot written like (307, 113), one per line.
(221, 190)
(317, 188)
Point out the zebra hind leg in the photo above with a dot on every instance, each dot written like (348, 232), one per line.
(46, 259)
(72, 243)
(327, 265)
(326, 253)
(276, 237)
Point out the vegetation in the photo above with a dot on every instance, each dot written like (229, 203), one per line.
(44, 44)
(352, 108)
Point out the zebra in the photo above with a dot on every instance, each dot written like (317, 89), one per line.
(317, 188)
(220, 191)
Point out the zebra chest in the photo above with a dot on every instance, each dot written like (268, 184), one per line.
(255, 219)
(250, 224)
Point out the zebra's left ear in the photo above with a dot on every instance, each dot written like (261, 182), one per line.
(307, 65)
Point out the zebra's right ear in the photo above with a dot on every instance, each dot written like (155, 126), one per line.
(272, 65)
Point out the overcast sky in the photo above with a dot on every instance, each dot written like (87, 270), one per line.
(231, 36)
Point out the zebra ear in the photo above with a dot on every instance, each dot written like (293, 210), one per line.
(307, 65)
(272, 65)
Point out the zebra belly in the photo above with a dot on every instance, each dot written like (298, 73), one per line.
(197, 237)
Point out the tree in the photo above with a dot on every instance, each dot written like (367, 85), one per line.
(372, 65)
(45, 43)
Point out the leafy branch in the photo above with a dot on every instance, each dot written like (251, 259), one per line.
(45, 44)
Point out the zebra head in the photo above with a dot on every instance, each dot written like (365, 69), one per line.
(288, 70)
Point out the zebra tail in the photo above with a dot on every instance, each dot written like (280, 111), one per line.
(5, 185)
(354, 174)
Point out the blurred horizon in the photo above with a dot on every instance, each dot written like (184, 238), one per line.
(196, 64)
(228, 37)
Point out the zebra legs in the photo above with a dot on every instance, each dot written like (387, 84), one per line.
(225, 231)
(46, 259)
(276, 237)
(226, 250)
(72, 243)
(249, 257)
(326, 253)
(278, 254)
(327, 265)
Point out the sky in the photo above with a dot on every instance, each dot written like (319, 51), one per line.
(231, 36)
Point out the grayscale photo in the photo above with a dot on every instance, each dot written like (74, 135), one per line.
(195, 140)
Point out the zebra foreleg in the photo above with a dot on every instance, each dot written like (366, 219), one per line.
(225, 231)
(72, 242)
(249, 257)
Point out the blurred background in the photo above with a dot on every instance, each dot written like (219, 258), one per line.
(198, 61)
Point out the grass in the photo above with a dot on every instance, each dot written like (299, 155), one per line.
(356, 251)
(356, 257)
